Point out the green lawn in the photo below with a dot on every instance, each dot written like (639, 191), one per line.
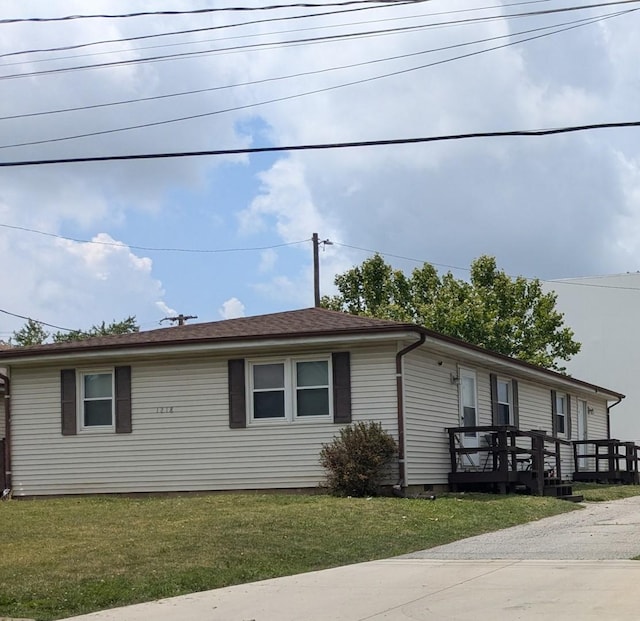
(63, 557)
(595, 492)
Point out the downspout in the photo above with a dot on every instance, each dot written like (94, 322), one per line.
(402, 471)
(609, 407)
(7, 430)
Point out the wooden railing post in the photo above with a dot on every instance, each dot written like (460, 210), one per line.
(452, 451)
(576, 464)
(537, 463)
(558, 460)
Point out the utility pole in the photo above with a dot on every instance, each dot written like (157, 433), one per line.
(316, 267)
(180, 319)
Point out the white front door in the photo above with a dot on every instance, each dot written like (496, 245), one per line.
(582, 432)
(468, 413)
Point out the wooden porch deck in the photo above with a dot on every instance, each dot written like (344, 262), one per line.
(606, 461)
(508, 459)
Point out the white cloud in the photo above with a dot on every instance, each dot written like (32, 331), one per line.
(231, 309)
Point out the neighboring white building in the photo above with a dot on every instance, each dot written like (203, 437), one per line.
(604, 313)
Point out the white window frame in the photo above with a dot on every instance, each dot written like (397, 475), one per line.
(509, 384)
(561, 397)
(290, 390)
(80, 375)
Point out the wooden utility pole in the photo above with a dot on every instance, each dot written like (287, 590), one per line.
(316, 272)
(316, 267)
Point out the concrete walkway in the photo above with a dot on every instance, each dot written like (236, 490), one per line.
(441, 584)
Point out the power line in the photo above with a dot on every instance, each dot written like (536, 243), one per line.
(326, 39)
(210, 28)
(44, 323)
(467, 269)
(148, 248)
(584, 21)
(316, 91)
(249, 23)
(297, 5)
(325, 146)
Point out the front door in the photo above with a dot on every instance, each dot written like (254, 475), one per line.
(468, 414)
(582, 432)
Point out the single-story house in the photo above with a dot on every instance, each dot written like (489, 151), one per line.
(246, 404)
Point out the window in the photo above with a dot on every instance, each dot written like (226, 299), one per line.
(504, 402)
(561, 412)
(289, 389)
(96, 399)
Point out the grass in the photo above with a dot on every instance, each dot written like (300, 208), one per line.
(64, 557)
(597, 492)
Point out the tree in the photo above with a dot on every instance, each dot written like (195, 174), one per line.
(33, 333)
(511, 316)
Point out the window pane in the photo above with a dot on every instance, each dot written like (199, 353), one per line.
(468, 391)
(97, 412)
(469, 417)
(312, 373)
(503, 392)
(560, 423)
(268, 404)
(560, 401)
(504, 416)
(97, 385)
(268, 376)
(313, 402)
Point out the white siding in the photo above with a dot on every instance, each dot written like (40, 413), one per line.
(192, 448)
(431, 405)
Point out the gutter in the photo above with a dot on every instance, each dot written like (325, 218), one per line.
(7, 430)
(609, 408)
(402, 483)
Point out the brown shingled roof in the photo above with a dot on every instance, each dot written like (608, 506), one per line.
(297, 323)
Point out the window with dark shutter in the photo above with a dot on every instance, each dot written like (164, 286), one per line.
(68, 402)
(123, 399)
(237, 394)
(341, 364)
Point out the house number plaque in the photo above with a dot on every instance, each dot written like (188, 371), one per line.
(165, 409)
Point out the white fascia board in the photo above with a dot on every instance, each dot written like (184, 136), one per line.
(166, 351)
(486, 359)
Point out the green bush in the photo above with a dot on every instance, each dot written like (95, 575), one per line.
(356, 460)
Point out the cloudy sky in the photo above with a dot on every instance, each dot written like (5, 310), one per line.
(227, 236)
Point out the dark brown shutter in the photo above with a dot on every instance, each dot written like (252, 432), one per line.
(567, 418)
(493, 382)
(515, 404)
(123, 399)
(554, 414)
(237, 395)
(341, 363)
(68, 402)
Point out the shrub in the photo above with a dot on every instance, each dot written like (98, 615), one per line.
(357, 459)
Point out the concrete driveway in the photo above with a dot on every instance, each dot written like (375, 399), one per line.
(490, 576)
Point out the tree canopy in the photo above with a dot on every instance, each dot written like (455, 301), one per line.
(33, 332)
(511, 316)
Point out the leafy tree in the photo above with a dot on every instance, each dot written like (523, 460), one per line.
(511, 316)
(33, 333)
(126, 326)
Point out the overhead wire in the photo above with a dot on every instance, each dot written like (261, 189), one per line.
(149, 248)
(314, 40)
(582, 23)
(467, 269)
(173, 13)
(250, 23)
(323, 146)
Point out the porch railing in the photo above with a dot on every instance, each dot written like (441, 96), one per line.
(505, 456)
(606, 460)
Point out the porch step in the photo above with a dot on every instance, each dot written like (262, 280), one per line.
(561, 489)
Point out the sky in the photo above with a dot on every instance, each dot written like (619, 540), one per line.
(230, 235)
